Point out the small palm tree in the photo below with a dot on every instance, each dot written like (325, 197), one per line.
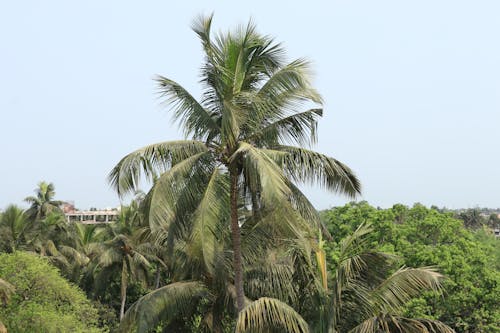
(365, 297)
(124, 253)
(43, 202)
(254, 106)
(14, 227)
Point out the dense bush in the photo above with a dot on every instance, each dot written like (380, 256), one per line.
(43, 300)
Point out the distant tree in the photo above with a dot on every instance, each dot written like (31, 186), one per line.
(14, 228)
(43, 202)
(124, 254)
(472, 218)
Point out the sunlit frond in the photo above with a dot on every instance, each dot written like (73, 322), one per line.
(211, 217)
(258, 165)
(150, 160)
(404, 284)
(267, 314)
(386, 323)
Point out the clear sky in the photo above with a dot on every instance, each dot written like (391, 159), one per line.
(412, 90)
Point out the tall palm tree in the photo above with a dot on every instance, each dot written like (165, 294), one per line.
(254, 105)
(43, 202)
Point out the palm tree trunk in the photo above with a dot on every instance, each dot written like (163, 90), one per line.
(123, 289)
(236, 237)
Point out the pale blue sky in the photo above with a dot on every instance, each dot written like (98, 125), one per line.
(412, 90)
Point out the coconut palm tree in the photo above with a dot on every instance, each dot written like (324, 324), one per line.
(43, 202)
(254, 106)
(202, 283)
(366, 295)
(14, 227)
(125, 253)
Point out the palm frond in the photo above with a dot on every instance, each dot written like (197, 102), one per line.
(177, 189)
(151, 160)
(194, 119)
(259, 166)
(268, 313)
(386, 323)
(163, 304)
(404, 284)
(211, 216)
(306, 166)
(300, 128)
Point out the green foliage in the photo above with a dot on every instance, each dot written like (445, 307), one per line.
(43, 300)
(428, 237)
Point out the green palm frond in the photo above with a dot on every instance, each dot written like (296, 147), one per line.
(403, 285)
(171, 186)
(300, 128)
(386, 323)
(151, 160)
(196, 121)
(268, 314)
(306, 166)
(211, 217)
(163, 304)
(271, 279)
(259, 166)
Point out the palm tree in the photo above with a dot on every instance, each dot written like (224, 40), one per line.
(43, 202)
(14, 226)
(365, 297)
(125, 253)
(202, 284)
(84, 244)
(254, 105)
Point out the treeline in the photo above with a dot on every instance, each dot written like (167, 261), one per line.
(361, 270)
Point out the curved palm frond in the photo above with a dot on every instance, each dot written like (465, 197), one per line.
(192, 116)
(163, 304)
(306, 166)
(258, 165)
(177, 190)
(386, 323)
(300, 128)
(268, 313)
(211, 217)
(404, 284)
(151, 160)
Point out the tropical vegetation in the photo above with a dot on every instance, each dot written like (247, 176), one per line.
(225, 241)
